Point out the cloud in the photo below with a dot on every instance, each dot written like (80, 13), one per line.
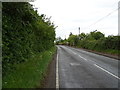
(68, 15)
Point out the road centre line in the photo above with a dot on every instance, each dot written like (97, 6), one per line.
(72, 51)
(78, 55)
(83, 58)
(106, 71)
(101, 68)
(97, 66)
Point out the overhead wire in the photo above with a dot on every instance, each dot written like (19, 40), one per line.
(104, 17)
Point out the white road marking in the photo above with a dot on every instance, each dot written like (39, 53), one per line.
(107, 71)
(74, 64)
(83, 58)
(72, 51)
(58, 48)
(79, 55)
(57, 75)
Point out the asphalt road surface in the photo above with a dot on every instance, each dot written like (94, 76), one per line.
(81, 69)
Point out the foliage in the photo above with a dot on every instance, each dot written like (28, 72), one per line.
(73, 40)
(96, 35)
(30, 74)
(59, 40)
(82, 36)
(95, 41)
(24, 34)
(70, 34)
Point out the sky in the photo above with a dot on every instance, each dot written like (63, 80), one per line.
(89, 15)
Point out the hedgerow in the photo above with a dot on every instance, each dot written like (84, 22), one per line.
(24, 33)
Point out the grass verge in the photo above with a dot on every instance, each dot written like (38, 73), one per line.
(31, 73)
(114, 52)
(109, 51)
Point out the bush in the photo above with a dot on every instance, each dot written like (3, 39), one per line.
(24, 33)
(96, 41)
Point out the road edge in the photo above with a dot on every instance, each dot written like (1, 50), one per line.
(57, 74)
(50, 80)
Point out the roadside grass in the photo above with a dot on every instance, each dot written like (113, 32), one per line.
(31, 73)
(111, 51)
(108, 51)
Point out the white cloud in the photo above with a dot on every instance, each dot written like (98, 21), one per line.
(68, 15)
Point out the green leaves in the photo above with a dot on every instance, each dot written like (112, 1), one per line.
(94, 40)
(73, 39)
(24, 33)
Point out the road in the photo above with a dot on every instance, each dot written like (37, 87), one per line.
(81, 69)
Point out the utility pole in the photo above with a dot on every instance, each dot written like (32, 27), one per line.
(79, 33)
(65, 37)
(79, 30)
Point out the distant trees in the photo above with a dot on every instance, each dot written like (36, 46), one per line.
(70, 34)
(59, 40)
(24, 33)
(96, 35)
(112, 42)
(82, 36)
(95, 40)
(73, 40)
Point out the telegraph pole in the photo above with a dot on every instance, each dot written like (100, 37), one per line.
(65, 37)
(79, 32)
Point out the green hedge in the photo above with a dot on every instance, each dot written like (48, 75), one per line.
(107, 44)
(96, 41)
(24, 33)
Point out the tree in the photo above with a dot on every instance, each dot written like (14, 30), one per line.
(96, 35)
(70, 34)
(82, 36)
(73, 40)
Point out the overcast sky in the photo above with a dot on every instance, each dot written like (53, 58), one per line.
(68, 15)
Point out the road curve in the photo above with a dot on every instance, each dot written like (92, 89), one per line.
(81, 69)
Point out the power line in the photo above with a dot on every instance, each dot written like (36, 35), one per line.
(104, 17)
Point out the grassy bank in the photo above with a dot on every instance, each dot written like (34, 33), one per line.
(29, 74)
(105, 51)
(110, 51)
